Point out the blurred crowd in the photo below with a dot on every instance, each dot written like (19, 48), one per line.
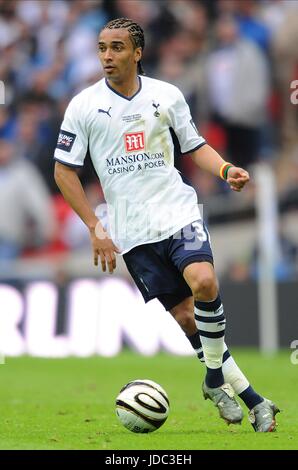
(234, 60)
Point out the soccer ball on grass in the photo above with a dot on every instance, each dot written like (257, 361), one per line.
(142, 406)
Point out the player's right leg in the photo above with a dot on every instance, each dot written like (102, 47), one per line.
(261, 411)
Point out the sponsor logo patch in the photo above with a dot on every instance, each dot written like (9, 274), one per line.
(65, 140)
(134, 141)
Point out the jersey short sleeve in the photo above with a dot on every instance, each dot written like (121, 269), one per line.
(184, 126)
(72, 142)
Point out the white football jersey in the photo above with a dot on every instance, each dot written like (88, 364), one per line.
(130, 141)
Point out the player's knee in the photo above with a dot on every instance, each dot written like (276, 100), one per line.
(205, 288)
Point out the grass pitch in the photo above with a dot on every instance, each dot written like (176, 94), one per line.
(69, 403)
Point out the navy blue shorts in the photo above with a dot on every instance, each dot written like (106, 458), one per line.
(157, 268)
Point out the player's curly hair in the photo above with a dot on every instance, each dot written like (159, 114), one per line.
(136, 34)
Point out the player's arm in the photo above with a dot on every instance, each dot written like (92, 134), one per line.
(208, 159)
(191, 142)
(70, 186)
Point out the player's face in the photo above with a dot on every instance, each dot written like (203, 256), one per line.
(117, 54)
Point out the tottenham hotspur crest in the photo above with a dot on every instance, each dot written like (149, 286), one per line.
(156, 106)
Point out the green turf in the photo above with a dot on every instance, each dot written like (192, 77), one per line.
(69, 403)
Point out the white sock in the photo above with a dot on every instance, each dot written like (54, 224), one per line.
(210, 322)
(233, 375)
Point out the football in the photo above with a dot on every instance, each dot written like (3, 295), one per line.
(142, 406)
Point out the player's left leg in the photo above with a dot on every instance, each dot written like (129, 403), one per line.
(183, 314)
(262, 411)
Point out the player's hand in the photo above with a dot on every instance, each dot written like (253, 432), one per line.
(237, 178)
(103, 248)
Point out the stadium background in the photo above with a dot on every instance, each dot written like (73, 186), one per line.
(236, 62)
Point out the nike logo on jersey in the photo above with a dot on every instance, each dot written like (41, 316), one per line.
(156, 106)
(105, 112)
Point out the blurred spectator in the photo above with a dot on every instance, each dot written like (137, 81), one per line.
(274, 12)
(286, 267)
(285, 53)
(26, 214)
(6, 123)
(251, 25)
(238, 86)
(10, 26)
(48, 53)
(182, 55)
(250, 20)
(286, 263)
